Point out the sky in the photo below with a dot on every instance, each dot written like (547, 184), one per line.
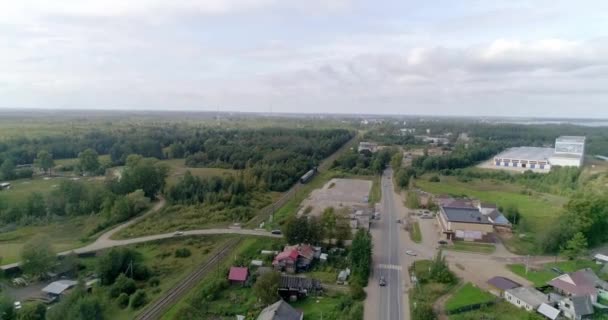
(464, 58)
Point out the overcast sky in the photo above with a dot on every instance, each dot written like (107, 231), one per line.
(515, 58)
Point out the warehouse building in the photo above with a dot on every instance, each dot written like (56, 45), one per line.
(568, 151)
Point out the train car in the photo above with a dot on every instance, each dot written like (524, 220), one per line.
(308, 175)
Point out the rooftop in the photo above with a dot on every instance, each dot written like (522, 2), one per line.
(526, 153)
(280, 310)
(548, 311)
(238, 274)
(503, 283)
(528, 295)
(579, 283)
(464, 215)
(577, 139)
(58, 287)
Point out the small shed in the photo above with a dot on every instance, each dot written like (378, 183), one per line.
(57, 288)
(257, 263)
(601, 258)
(238, 275)
(323, 257)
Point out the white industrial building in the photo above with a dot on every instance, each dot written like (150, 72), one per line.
(569, 151)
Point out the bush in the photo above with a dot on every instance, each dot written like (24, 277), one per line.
(154, 282)
(123, 300)
(138, 299)
(182, 253)
(423, 312)
(357, 292)
(123, 284)
(434, 178)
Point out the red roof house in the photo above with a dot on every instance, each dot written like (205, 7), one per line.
(238, 275)
(294, 258)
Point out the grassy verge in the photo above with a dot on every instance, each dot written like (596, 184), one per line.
(375, 194)
(423, 295)
(467, 295)
(472, 247)
(540, 276)
(499, 311)
(415, 233)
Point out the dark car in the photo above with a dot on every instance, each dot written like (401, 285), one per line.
(442, 242)
(276, 232)
(382, 281)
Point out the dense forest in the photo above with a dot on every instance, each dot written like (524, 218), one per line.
(364, 162)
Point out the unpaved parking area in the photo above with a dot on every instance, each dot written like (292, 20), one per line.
(337, 193)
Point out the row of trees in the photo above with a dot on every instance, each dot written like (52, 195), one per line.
(313, 230)
(364, 162)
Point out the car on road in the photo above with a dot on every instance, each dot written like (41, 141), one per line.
(442, 242)
(178, 233)
(410, 253)
(276, 231)
(382, 281)
(398, 220)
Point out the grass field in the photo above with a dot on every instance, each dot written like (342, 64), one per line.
(64, 235)
(415, 233)
(22, 188)
(543, 275)
(316, 308)
(178, 168)
(375, 194)
(467, 295)
(472, 247)
(538, 210)
(499, 311)
(159, 256)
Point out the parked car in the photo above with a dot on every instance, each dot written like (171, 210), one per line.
(382, 281)
(276, 231)
(442, 242)
(398, 220)
(178, 233)
(17, 305)
(410, 253)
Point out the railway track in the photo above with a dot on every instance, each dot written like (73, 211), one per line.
(160, 306)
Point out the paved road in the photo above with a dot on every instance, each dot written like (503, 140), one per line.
(387, 303)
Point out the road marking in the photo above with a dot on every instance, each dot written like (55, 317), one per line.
(390, 267)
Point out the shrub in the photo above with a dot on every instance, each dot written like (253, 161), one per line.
(123, 300)
(182, 253)
(123, 284)
(154, 282)
(434, 178)
(138, 299)
(357, 292)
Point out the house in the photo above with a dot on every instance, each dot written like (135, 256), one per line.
(577, 308)
(501, 284)
(447, 201)
(238, 275)
(583, 282)
(294, 287)
(465, 224)
(58, 288)
(525, 298)
(548, 311)
(280, 310)
(294, 258)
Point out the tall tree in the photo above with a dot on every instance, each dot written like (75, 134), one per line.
(44, 161)
(36, 311)
(7, 170)
(7, 312)
(88, 160)
(267, 286)
(575, 247)
(361, 256)
(328, 223)
(38, 256)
